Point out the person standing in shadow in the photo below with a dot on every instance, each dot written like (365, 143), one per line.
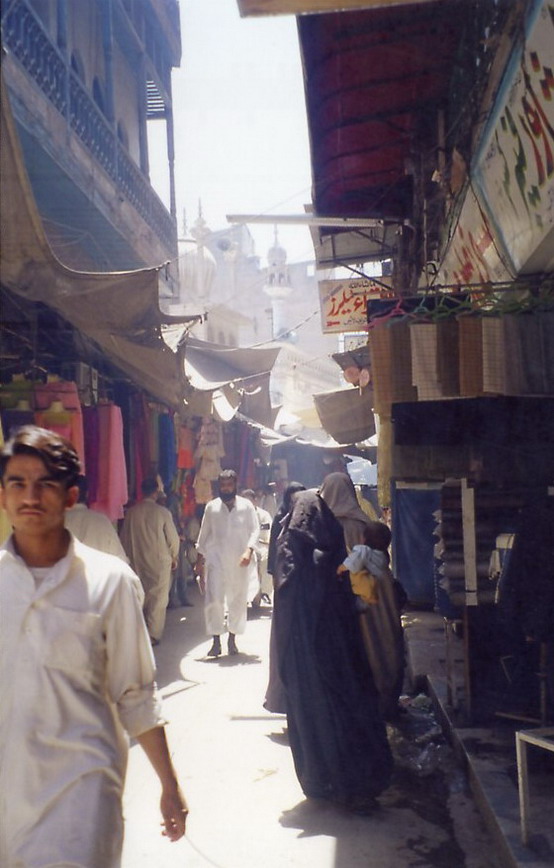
(380, 623)
(337, 735)
(275, 699)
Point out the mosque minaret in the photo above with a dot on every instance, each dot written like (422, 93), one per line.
(278, 288)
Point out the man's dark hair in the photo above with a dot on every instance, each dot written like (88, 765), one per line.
(228, 474)
(149, 485)
(58, 455)
(249, 493)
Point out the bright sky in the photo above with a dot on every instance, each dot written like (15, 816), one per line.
(241, 137)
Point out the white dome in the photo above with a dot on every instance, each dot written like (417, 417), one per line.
(197, 270)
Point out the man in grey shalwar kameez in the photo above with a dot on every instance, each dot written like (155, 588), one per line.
(150, 538)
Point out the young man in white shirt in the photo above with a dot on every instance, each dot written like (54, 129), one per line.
(77, 671)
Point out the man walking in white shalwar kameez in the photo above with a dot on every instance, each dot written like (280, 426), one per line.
(225, 564)
(76, 675)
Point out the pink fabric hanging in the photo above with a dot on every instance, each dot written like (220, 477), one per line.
(66, 392)
(112, 479)
(66, 423)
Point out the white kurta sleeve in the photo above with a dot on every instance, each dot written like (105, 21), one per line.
(204, 535)
(131, 665)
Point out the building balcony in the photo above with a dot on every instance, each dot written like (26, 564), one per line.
(74, 141)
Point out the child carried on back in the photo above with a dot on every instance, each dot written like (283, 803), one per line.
(368, 564)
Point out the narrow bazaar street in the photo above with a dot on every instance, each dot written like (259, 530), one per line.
(246, 807)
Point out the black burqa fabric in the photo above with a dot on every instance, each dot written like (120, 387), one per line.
(337, 736)
(276, 525)
(275, 698)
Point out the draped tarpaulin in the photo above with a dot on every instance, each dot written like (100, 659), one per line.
(347, 415)
(117, 310)
(220, 379)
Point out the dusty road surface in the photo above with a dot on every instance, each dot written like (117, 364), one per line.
(246, 807)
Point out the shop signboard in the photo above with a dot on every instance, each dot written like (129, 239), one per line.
(514, 167)
(344, 302)
(474, 255)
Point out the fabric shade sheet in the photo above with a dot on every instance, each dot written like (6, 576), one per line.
(346, 415)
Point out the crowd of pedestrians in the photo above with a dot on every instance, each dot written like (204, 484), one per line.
(82, 607)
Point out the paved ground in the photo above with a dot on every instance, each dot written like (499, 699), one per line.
(247, 809)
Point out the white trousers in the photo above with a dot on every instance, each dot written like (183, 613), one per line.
(226, 591)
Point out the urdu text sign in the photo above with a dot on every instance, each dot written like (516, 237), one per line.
(344, 302)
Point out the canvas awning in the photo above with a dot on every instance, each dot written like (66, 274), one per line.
(373, 77)
(118, 310)
(236, 377)
(220, 379)
(210, 366)
(357, 357)
(347, 415)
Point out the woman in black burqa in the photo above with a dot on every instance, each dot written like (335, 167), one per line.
(277, 523)
(380, 624)
(337, 736)
(275, 699)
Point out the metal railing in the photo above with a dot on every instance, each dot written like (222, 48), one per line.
(24, 36)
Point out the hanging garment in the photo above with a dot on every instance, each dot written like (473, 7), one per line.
(91, 426)
(112, 492)
(66, 423)
(140, 440)
(18, 389)
(14, 419)
(185, 455)
(167, 465)
(64, 391)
